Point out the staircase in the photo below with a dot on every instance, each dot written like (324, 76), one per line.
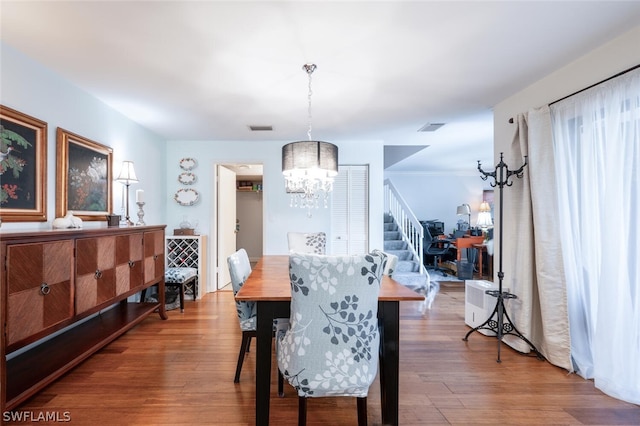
(408, 271)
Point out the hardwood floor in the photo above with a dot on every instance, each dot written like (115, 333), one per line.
(181, 371)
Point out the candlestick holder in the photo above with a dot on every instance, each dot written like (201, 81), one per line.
(123, 218)
(140, 222)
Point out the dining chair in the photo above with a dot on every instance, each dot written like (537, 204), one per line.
(392, 262)
(330, 347)
(307, 242)
(239, 270)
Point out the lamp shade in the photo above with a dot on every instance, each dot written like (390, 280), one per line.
(310, 155)
(484, 220)
(463, 209)
(127, 173)
(485, 207)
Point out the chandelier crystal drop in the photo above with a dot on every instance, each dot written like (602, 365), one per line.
(309, 167)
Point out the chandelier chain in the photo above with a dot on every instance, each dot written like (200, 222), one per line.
(309, 68)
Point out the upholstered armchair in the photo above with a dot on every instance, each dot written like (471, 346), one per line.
(330, 347)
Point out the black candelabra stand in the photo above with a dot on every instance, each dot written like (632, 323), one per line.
(499, 321)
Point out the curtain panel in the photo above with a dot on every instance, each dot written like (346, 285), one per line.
(533, 271)
(596, 137)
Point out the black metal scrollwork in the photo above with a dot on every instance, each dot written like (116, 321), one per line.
(502, 324)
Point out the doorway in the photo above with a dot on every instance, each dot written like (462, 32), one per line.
(238, 215)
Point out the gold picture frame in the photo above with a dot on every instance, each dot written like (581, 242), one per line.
(83, 177)
(23, 167)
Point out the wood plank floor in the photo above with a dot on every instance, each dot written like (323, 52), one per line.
(181, 371)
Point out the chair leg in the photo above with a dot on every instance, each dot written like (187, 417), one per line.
(362, 411)
(435, 266)
(280, 384)
(195, 287)
(244, 347)
(302, 411)
(182, 297)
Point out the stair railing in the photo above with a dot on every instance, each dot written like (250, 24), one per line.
(409, 225)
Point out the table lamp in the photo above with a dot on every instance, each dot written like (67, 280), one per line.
(127, 176)
(464, 209)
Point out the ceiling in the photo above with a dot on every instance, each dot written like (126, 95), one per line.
(207, 70)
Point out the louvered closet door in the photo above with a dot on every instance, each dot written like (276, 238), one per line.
(350, 211)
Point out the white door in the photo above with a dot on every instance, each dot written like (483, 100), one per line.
(226, 222)
(350, 211)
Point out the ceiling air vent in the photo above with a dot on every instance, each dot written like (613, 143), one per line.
(430, 127)
(261, 128)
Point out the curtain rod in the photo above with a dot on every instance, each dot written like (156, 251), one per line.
(589, 87)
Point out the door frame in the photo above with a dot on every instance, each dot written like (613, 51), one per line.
(213, 244)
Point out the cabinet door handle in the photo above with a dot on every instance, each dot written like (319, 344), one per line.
(155, 257)
(98, 274)
(45, 289)
(131, 263)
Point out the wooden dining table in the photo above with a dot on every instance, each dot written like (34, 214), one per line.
(269, 286)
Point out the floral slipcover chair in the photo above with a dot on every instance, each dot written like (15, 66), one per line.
(330, 347)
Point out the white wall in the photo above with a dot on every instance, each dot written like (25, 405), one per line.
(279, 218)
(616, 56)
(436, 195)
(36, 91)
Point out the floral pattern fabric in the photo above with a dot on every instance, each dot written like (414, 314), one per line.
(239, 270)
(330, 347)
(179, 275)
(313, 242)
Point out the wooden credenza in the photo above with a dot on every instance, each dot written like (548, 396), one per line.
(51, 280)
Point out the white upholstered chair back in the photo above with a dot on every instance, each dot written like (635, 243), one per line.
(307, 242)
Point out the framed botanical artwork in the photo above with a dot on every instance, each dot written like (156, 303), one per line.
(83, 177)
(23, 167)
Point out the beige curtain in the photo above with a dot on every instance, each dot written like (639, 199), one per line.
(533, 264)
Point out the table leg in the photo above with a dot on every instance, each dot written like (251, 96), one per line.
(264, 332)
(390, 363)
(267, 312)
(480, 250)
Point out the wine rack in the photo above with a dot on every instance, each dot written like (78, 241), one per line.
(186, 251)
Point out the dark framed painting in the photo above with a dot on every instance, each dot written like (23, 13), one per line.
(23, 167)
(83, 177)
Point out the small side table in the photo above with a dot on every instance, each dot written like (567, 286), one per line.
(483, 248)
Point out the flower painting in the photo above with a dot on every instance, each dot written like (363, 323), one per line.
(87, 186)
(12, 162)
(84, 177)
(22, 167)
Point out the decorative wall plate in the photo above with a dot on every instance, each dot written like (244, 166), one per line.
(188, 164)
(186, 197)
(187, 178)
